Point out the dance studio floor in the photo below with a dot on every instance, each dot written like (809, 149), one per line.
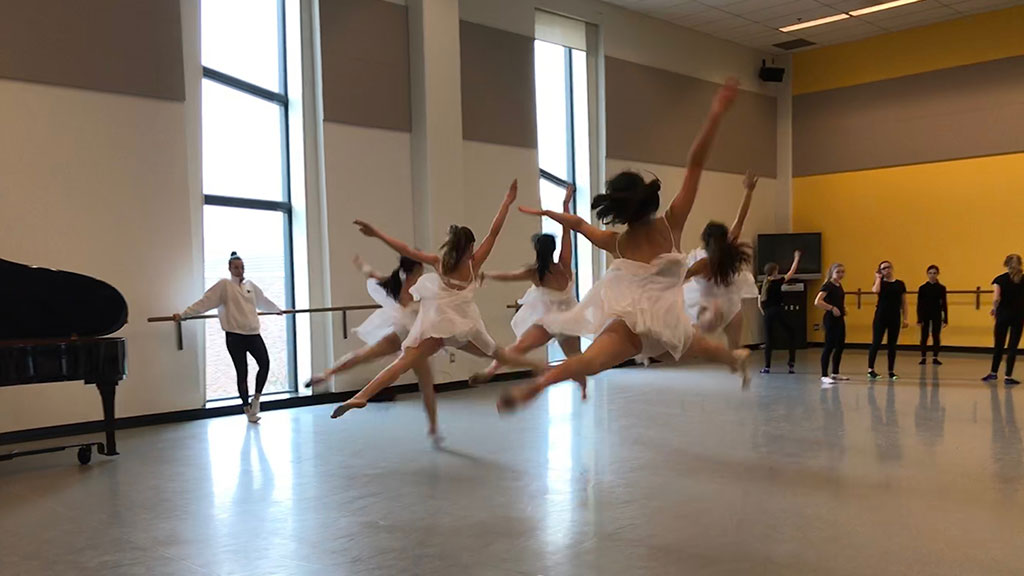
(663, 471)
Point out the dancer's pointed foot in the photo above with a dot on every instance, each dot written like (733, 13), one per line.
(317, 380)
(582, 381)
(481, 377)
(346, 406)
(741, 363)
(436, 440)
(513, 399)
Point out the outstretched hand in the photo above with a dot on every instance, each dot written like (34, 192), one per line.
(513, 192)
(797, 254)
(725, 96)
(570, 193)
(750, 180)
(531, 211)
(366, 229)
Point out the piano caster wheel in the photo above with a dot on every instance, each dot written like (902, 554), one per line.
(84, 455)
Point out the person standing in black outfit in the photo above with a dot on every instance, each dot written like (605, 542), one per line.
(831, 298)
(890, 316)
(774, 314)
(932, 314)
(1008, 310)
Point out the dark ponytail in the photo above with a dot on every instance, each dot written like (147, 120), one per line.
(544, 246)
(726, 257)
(455, 248)
(627, 199)
(392, 285)
(234, 256)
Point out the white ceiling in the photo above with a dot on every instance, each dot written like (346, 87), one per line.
(755, 23)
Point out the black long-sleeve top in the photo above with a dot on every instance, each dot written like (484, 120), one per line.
(931, 303)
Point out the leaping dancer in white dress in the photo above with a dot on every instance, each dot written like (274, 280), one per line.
(448, 314)
(385, 329)
(636, 310)
(720, 274)
(553, 291)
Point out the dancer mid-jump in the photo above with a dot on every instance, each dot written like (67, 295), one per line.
(636, 310)
(448, 314)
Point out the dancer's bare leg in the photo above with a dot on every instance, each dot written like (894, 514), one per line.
(616, 344)
(704, 348)
(425, 378)
(534, 337)
(570, 346)
(410, 357)
(505, 357)
(734, 331)
(386, 346)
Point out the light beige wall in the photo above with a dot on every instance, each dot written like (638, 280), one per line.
(96, 183)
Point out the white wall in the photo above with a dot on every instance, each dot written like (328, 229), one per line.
(97, 183)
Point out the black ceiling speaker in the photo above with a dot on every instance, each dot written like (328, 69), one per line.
(771, 73)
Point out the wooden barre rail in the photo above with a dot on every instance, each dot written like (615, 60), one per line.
(343, 309)
(977, 292)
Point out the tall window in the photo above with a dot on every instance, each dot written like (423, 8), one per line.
(563, 129)
(246, 183)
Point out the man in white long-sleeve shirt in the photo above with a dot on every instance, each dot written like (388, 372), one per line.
(237, 301)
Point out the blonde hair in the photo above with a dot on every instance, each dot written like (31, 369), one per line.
(832, 269)
(1013, 266)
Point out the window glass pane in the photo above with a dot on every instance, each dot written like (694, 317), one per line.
(552, 137)
(258, 237)
(242, 154)
(241, 38)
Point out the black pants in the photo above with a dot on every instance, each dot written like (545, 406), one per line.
(238, 346)
(933, 325)
(1014, 326)
(879, 328)
(775, 318)
(835, 341)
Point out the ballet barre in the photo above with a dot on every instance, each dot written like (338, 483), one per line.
(343, 309)
(977, 292)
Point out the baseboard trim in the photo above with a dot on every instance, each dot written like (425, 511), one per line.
(913, 348)
(96, 426)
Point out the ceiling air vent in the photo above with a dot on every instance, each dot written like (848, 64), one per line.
(793, 44)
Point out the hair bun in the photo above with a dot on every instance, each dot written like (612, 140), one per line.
(653, 187)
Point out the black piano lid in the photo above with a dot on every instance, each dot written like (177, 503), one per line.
(40, 303)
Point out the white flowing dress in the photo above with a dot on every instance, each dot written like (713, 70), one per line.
(392, 317)
(647, 297)
(448, 313)
(540, 302)
(700, 291)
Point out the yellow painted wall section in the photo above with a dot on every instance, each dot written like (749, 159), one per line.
(964, 216)
(968, 40)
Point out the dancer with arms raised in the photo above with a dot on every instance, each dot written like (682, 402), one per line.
(636, 310)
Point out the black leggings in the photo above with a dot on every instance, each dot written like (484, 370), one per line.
(835, 341)
(1003, 325)
(775, 317)
(238, 346)
(878, 329)
(933, 325)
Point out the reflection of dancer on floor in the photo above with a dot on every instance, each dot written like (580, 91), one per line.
(636, 310)
(385, 329)
(237, 300)
(448, 315)
(720, 280)
(553, 291)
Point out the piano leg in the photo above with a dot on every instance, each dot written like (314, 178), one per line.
(107, 390)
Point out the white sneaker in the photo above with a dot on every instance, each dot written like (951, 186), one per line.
(839, 378)
(252, 416)
(254, 407)
(827, 382)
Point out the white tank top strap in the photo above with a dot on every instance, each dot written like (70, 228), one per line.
(671, 234)
(618, 253)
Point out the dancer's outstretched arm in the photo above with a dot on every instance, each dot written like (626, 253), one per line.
(749, 183)
(796, 264)
(680, 208)
(484, 250)
(520, 276)
(603, 239)
(367, 270)
(565, 256)
(402, 248)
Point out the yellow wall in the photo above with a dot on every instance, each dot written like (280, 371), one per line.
(963, 215)
(980, 38)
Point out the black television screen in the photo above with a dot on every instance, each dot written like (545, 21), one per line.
(779, 248)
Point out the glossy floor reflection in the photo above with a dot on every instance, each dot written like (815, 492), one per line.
(662, 471)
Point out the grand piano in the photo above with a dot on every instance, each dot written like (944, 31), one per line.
(53, 328)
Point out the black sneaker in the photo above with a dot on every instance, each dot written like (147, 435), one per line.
(923, 361)
(990, 377)
(872, 375)
(894, 376)
(766, 371)
(1009, 381)
(936, 362)
(791, 369)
